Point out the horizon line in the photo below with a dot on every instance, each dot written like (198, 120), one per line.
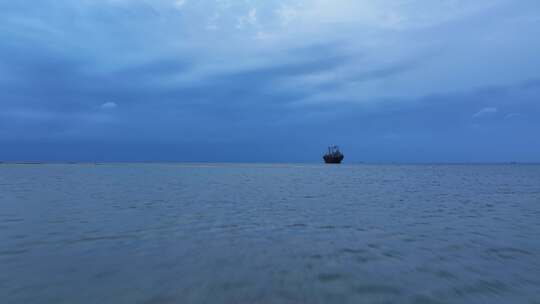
(65, 162)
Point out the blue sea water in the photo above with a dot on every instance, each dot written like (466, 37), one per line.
(235, 233)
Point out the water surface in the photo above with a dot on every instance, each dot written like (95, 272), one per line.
(177, 233)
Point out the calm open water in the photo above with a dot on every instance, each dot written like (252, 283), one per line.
(177, 233)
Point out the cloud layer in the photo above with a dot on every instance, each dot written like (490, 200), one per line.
(241, 80)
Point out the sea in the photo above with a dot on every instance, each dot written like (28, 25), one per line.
(269, 233)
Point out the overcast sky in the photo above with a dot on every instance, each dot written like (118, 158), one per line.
(270, 81)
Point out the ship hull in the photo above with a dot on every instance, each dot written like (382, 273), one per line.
(333, 160)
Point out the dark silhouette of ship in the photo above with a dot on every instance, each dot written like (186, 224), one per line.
(333, 156)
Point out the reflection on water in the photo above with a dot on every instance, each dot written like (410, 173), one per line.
(169, 233)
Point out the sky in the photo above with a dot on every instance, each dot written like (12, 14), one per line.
(270, 81)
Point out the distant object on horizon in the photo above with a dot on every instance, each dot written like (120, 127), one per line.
(333, 156)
